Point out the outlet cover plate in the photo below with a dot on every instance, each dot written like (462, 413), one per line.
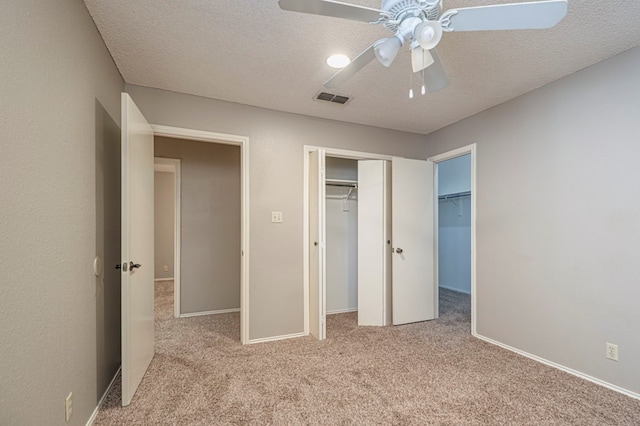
(612, 351)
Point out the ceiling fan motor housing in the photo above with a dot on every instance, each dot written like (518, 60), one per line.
(399, 10)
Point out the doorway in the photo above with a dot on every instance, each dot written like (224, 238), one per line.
(455, 224)
(208, 229)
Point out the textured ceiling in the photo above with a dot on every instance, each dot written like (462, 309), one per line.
(251, 52)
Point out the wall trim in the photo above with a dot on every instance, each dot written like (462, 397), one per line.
(94, 415)
(342, 311)
(471, 150)
(243, 142)
(561, 367)
(275, 338)
(199, 314)
(457, 290)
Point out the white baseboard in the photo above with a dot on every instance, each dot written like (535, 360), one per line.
(342, 311)
(163, 279)
(458, 290)
(198, 314)
(104, 396)
(562, 368)
(273, 339)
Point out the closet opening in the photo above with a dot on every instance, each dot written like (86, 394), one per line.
(341, 194)
(454, 238)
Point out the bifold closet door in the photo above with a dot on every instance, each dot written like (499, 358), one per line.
(317, 238)
(374, 253)
(413, 241)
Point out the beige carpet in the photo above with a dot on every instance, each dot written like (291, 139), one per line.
(418, 374)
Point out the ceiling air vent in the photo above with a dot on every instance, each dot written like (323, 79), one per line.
(331, 97)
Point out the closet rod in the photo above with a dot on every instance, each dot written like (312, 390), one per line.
(456, 195)
(341, 183)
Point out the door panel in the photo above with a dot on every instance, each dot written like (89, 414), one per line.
(137, 247)
(374, 305)
(317, 256)
(413, 241)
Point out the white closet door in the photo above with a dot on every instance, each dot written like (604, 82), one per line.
(413, 241)
(373, 251)
(317, 255)
(137, 247)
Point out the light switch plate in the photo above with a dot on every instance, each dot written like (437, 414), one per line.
(276, 217)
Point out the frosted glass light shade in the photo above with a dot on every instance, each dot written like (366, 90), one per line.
(387, 50)
(428, 34)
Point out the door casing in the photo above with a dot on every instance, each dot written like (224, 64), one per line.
(243, 143)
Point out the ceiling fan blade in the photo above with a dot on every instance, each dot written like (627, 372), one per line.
(435, 78)
(350, 70)
(420, 58)
(332, 8)
(513, 16)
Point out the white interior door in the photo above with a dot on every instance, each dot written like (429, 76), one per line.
(317, 255)
(137, 247)
(412, 196)
(374, 280)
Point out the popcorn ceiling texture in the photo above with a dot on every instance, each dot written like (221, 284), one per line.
(426, 373)
(253, 53)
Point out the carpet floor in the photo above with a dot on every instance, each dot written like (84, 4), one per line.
(418, 374)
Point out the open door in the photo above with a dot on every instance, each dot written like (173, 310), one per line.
(414, 292)
(137, 247)
(317, 255)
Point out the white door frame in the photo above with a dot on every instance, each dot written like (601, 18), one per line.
(331, 152)
(172, 165)
(469, 149)
(243, 143)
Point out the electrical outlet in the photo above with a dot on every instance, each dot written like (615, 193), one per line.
(68, 406)
(276, 217)
(165, 268)
(612, 351)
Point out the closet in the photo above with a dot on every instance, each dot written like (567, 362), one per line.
(341, 195)
(454, 224)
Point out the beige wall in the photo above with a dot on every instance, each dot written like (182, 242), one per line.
(164, 212)
(276, 157)
(56, 73)
(210, 228)
(558, 229)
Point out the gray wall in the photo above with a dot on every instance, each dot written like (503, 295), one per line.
(164, 213)
(210, 228)
(454, 225)
(55, 70)
(558, 233)
(276, 179)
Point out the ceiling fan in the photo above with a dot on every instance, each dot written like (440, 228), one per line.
(420, 25)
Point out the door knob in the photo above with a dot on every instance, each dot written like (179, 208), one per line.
(133, 266)
(399, 250)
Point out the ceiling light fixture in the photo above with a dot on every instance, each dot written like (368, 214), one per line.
(338, 61)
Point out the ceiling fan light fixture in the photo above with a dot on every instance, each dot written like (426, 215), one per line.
(428, 34)
(338, 60)
(387, 50)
